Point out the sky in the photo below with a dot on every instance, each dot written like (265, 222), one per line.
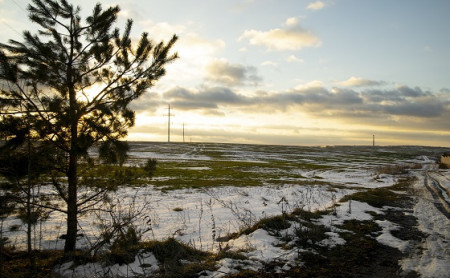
(289, 72)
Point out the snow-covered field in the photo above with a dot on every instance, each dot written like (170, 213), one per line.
(282, 177)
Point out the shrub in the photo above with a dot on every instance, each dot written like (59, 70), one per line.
(125, 247)
(178, 259)
(150, 166)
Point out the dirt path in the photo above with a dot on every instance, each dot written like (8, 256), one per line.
(439, 193)
(431, 256)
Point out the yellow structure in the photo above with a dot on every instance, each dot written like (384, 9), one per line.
(445, 159)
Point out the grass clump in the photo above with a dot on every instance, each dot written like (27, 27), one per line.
(403, 184)
(308, 215)
(273, 225)
(178, 259)
(380, 197)
(16, 264)
(226, 253)
(124, 248)
(173, 250)
(308, 234)
(361, 228)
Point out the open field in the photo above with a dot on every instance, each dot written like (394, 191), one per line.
(274, 207)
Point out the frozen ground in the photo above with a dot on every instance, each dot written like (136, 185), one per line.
(310, 178)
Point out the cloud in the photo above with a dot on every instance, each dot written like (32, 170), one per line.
(399, 94)
(195, 53)
(444, 91)
(359, 82)
(311, 84)
(147, 103)
(401, 101)
(294, 59)
(207, 98)
(292, 21)
(269, 64)
(162, 30)
(317, 5)
(224, 73)
(411, 92)
(290, 37)
(422, 107)
(320, 96)
(192, 48)
(319, 101)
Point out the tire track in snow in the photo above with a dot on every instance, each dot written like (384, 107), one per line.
(437, 191)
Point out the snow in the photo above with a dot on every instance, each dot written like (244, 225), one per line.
(388, 239)
(443, 181)
(432, 257)
(199, 212)
(199, 216)
(333, 240)
(229, 266)
(144, 264)
(350, 210)
(355, 178)
(263, 247)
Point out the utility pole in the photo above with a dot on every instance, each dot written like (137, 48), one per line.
(168, 126)
(183, 132)
(373, 140)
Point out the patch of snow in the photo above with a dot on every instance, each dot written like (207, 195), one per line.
(354, 178)
(144, 264)
(228, 266)
(262, 247)
(204, 168)
(333, 240)
(388, 239)
(259, 247)
(443, 179)
(350, 210)
(432, 257)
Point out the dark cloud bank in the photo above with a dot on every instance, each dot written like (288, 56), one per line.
(401, 101)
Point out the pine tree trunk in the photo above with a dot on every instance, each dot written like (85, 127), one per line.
(72, 208)
(29, 220)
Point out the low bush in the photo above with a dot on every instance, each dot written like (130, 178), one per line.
(178, 259)
(124, 248)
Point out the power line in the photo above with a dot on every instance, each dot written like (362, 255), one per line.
(10, 27)
(17, 4)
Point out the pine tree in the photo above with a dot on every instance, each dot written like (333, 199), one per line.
(77, 79)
